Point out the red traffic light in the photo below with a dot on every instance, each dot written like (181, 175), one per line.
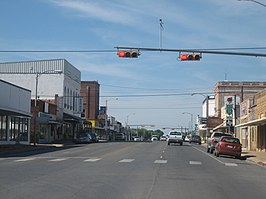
(128, 54)
(190, 57)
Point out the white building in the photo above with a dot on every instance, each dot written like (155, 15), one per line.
(15, 114)
(45, 79)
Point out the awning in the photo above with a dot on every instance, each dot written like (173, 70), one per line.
(221, 126)
(71, 118)
(260, 121)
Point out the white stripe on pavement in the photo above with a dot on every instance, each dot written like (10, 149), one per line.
(25, 159)
(57, 160)
(126, 160)
(195, 162)
(92, 160)
(160, 161)
(230, 164)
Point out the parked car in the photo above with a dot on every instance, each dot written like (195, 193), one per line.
(228, 145)
(94, 137)
(212, 141)
(137, 139)
(195, 139)
(120, 137)
(84, 138)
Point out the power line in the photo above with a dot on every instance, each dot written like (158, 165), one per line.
(57, 51)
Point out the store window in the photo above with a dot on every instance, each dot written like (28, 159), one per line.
(3, 129)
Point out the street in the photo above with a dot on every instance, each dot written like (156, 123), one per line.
(139, 170)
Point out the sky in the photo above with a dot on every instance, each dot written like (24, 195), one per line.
(155, 88)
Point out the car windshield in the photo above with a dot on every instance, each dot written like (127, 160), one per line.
(175, 133)
(230, 140)
(220, 134)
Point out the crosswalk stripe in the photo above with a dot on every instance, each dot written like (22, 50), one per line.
(25, 159)
(92, 160)
(57, 160)
(195, 163)
(160, 161)
(126, 160)
(230, 164)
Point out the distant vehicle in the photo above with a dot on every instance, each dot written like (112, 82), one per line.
(228, 146)
(195, 139)
(120, 137)
(187, 138)
(137, 139)
(213, 140)
(175, 137)
(84, 138)
(94, 137)
(154, 138)
(163, 138)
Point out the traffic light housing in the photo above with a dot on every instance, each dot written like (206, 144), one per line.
(190, 57)
(128, 54)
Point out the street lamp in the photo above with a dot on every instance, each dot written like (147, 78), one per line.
(257, 2)
(207, 102)
(38, 74)
(191, 119)
(127, 126)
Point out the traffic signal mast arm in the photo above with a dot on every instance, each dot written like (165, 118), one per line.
(221, 52)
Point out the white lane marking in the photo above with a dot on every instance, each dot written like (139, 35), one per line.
(92, 160)
(126, 160)
(57, 160)
(231, 164)
(24, 159)
(160, 161)
(210, 155)
(195, 163)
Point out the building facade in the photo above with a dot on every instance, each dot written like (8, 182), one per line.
(47, 79)
(14, 114)
(236, 90)
(253, 122)
(90, 93)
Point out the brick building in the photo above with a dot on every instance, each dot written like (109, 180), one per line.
(90, 91)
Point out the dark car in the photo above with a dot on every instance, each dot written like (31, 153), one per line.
(195, 139)
(84, 138)
(228, 146)
(94, 137)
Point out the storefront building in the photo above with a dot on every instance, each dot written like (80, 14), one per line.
(15, 114)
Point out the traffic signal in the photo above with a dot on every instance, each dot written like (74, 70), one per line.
(128, 54)
(190, 57)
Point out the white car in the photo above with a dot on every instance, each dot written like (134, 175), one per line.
(154, 138)
(137, 139)
(163, 138)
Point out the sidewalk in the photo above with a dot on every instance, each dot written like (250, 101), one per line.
(255, 156)
(21, 150)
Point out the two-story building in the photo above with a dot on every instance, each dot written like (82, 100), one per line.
(47, 79)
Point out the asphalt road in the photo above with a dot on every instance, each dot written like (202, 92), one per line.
(130, 171)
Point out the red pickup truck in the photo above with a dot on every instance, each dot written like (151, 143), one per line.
(212, 141)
